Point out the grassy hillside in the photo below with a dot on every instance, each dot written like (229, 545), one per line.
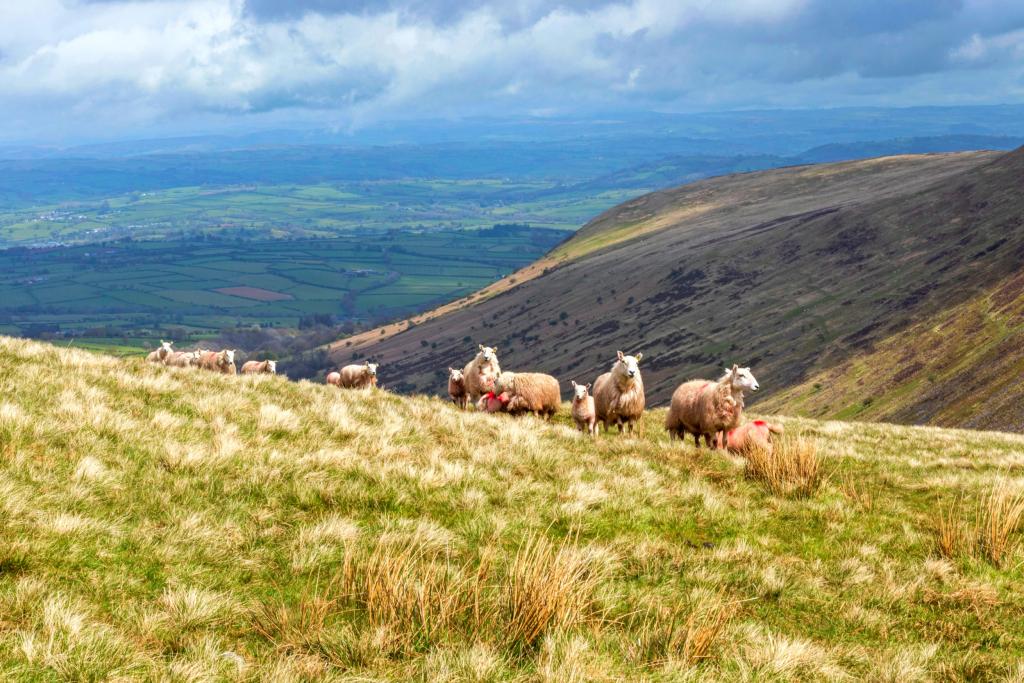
(961, 367)
(169, 525)
(788, 271)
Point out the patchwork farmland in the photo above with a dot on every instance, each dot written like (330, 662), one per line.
(207, 285)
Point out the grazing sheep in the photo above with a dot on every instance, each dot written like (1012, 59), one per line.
(218, 361)
(705, 408)
(480, 373)
(755, 434)
(334, 378)
(583, 413)
(358, 376)
(619, 395)
(457, 388)
(492, 402)
(184, 359)
(161, 354)
(258, 367)
(530, 392)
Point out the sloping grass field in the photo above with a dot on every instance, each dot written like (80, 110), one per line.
(162, 524)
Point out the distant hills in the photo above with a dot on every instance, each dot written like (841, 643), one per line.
(792, 271)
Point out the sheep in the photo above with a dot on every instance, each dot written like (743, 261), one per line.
(530, 392)
(744, 381)
(706, 408)
(583, 409)
(457, 388)
(480, 373)
(184, 359)
(218, 361)
(256, 367)
(358, 376)
(619, 394)
(755, 434)
(492, 402)
(334, 378)
(161, 354)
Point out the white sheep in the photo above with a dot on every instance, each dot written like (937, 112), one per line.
(218, 361)
(619, 394)
(481, 372)
(257, 367)
(358, 376)
(457, 388)
(161, 354)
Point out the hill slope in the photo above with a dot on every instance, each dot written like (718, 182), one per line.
(786, 270)
(164, 524)
(960, 366)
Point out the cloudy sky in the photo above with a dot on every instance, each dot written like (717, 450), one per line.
(94, 69)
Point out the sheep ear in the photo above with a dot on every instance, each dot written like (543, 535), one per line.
(574, 385)
(589, 384)
(494, 349)
(735, 368)
(619, 355)
(639, 356)
(480, 346)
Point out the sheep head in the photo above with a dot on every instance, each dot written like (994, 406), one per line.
(489, 353)
(272, 366)
(741, 379)
(580, 391)
(628, 365)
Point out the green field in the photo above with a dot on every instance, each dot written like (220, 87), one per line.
(129, 287)
(305, 211)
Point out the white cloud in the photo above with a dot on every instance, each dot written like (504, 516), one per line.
(90, 64)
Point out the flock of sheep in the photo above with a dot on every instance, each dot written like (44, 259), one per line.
(707, 409)
(704, 408)
(222, 361)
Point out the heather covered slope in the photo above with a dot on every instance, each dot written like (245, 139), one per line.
(161, 524)
(788, 271)
(962, 366)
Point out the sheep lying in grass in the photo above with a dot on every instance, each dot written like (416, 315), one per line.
(480, 373)
(457, 388)
(705, 408)
(583, 413)
(218, 361)
(161, 354)
(492, 402)
(530, 392)
(259, 367)
(754, 434)
(358, 376)
(619, 395)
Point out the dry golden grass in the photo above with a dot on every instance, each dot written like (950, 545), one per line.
(791, 469)
(993, 533)
(549, 586)
(164, 524)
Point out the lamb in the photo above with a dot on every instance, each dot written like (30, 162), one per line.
(583, 409)
(218, 361)
(480, 373)
(358, 376)
(334, 378)
(755, 434)
(619, 395)
(530, 392)
(161, 354)
(256, 367)
(457, 388)
(706, 408)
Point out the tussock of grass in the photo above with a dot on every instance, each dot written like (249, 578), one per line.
(791, 469)
(991, 535)
(166, 524)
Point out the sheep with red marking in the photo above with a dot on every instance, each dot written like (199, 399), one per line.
(705, 408)
(218, 361)
(481, 372)
(530, 392)
(754, 434)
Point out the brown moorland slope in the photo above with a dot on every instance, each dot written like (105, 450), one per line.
(789, 271)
